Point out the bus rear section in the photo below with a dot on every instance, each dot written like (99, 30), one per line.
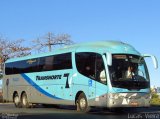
(39, 80)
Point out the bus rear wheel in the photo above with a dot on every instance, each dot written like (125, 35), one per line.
(25, 103)
(17, 101)
(82, 104)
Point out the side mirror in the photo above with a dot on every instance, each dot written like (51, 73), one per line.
(109, 58)
(154, 59)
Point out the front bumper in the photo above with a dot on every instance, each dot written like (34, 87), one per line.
(128, 100)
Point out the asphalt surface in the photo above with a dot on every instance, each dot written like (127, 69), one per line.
(8, 111)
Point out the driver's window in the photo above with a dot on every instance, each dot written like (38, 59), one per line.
(141, 71)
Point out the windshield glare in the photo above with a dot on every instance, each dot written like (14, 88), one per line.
(129, 71)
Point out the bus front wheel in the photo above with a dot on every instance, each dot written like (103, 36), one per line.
(82, 104)
(25, 103)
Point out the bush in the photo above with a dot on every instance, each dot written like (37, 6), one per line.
(154, 96)
(1, 76)
(155, 99)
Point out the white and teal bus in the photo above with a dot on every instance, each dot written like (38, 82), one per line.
(84, 75)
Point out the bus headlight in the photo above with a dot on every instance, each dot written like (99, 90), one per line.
(114, 96)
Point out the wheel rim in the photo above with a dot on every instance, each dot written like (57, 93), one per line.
(16, 100)
(82, 103)
(24, 101)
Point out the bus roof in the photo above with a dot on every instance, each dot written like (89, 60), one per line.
(100, 47)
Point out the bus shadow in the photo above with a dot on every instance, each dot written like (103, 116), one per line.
(125, 111)
(55, 106)
(104, 111)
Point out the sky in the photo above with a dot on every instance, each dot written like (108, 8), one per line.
(136, 22)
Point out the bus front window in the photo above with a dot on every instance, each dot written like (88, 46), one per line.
(129, 72)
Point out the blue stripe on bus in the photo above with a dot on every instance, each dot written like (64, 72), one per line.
(38, 87)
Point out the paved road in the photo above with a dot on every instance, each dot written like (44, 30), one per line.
(8, 111)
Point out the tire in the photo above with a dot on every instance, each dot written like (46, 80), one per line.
(17, 101)
(82, 104)
(24, 100)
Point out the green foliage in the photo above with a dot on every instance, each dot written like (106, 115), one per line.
(1, 76)
(154, 96)
(155, 100)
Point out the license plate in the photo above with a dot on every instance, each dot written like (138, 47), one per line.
(134, 103)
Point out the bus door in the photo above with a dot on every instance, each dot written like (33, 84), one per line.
(101, 81)
(85, 79)
(89, 66)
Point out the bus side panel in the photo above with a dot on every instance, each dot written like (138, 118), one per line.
(5, 88)
(95, 92)
(53, 90)
(83, 84)
(52, 84)
(11, 85)
(101, 94)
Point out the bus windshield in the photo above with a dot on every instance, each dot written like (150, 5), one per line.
(129, 72)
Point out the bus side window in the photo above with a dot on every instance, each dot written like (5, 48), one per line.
(85, 63)
(41, 63)
(55, 62)
(9, 68)
(48, 63)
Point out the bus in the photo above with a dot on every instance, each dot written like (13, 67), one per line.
(84, 75)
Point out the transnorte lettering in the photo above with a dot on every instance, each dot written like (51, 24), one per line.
(52, 77)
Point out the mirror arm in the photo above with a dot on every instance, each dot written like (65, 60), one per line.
(154, 59)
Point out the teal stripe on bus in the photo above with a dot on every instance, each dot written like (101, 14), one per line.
(29, 80)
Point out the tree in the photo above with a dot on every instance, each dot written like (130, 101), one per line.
(50, 40)
(10, 49)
